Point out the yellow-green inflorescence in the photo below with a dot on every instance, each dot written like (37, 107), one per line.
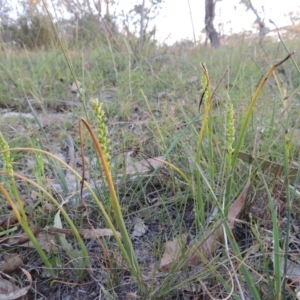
(230, 129)
(102, 128)
(205, 89)
(6, 156)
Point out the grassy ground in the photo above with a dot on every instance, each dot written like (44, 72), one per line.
(152, 109)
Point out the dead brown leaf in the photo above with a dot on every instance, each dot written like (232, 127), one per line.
(139, 228)
(131, 296)
(54, 230)
(96, 232)
(145, 165)
(84, 233)
(24, 238)
(237, 205)
(172, 252)
(18, 239)
(213, 239)
(34, 195)
(7, 222)
(11, 263)
(46, 240)
(9, 291)
(210, 244)
(48, 207)
(73, 86)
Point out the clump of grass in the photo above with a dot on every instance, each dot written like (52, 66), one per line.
(205, 183)
(102, 146)
(196, 146)
(11, 192)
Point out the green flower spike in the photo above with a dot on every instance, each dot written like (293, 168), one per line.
(230, 130)
(102, 128)
(6, 156)
(204, 84)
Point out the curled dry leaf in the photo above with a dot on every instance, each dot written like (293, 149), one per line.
(139, 228)
(9, 291)
(47, 238)
(172, 253)
(237, 205)
(145, 165)
(131, 296)
(209, 244)
(46, 241)
(48, 207)
(7, 222)
(212, 240)
(85, 233)
(73, 86)
(96, 232)
(11, 263)
(24, 238)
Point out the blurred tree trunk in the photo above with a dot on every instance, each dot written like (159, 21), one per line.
(142, 21)
(259, 21)
(5, 9)
(211, 32)
(137, 23)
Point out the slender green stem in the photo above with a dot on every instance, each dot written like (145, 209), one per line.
(276, 241)
(208, 95)
(245, 126)
(130, 254)
(28, 231)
